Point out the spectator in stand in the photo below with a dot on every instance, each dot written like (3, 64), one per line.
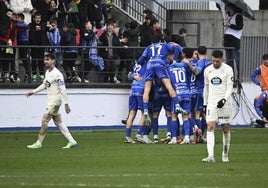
(11, 50)
(37, 37)
(53, 12)
(25, 7)
(83, 9)
(181, 38)
(87, 36)
(167, 36)
(68, 38)
(54, 38)
(73, 13)
(104, 10)
(145, 31)
(43, 6)
(94, 13)
(6, 35)
(23, 40)
(109, 39)
(61, 15)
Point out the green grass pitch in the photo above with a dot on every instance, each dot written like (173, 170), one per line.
(103, 160)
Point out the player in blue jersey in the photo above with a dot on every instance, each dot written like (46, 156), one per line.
(197, 91)
(260, 105)
(135, 100)
(156, 55)
(180, 76)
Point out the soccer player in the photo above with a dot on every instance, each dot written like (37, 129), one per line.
(135, 102)
(260, 105)
(197, 97)
(180, 76)
(56, 90)
(217, 92)
(156, 55)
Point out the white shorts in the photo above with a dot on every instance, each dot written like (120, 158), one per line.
(53, 107)
(220, 115)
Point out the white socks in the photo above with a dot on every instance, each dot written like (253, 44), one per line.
(65, 131)
(210, 143)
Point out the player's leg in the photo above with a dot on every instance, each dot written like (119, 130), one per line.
(226, 138)
(65, 131)
(130, 119)
(146, 94)
(212, 118)
(42, 133)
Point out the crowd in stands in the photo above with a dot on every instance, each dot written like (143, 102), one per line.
(70, 27)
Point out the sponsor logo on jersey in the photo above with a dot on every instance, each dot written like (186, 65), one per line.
(216, 81)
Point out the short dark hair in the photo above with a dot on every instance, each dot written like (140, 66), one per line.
(156, 38)
(182, 30)
(188, 52)
(50, 56)
(21, 15)
(265, 57)
(202, 50)
(147, 11)
(217, 54)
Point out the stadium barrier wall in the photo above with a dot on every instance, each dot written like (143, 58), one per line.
(104, 107)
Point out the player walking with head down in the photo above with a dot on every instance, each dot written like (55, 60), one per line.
(217, 92)
(56, 90)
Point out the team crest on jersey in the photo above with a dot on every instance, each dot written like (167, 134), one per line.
(216, 81)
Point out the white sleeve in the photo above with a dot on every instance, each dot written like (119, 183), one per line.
(205, 92)
(39, 88)
(229, 83)
(63, 91)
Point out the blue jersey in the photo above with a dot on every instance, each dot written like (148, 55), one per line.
(200, 66)
(193, 84)
(137, 86)
(135, 101)
(159, 51)
(180, 76)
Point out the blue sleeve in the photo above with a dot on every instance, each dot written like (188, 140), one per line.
(254, 75)
(177, 50)
(143, 57)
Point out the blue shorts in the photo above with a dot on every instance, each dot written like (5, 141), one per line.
(135, 103)
(185, 103)
(156, 68)
(197, 102)
(161, 100)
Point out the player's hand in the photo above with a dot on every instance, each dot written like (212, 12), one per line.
(221, 103)
(67, 108)
(28, 93)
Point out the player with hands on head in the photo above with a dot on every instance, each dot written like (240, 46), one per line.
(217, 91)
(56, 91)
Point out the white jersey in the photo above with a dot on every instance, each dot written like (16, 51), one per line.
(218, 84)
(53, 80)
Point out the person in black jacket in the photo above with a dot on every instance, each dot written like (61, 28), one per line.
(109, 54)
(37, 37)
(68, 38)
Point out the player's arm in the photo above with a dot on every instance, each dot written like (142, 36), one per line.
(143, 57)
(229, 83)
(64, 95)
(205, 92)
(254, 76)
(37, 90)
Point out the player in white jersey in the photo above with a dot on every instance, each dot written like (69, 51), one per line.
(56, 91)
(217, 91)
